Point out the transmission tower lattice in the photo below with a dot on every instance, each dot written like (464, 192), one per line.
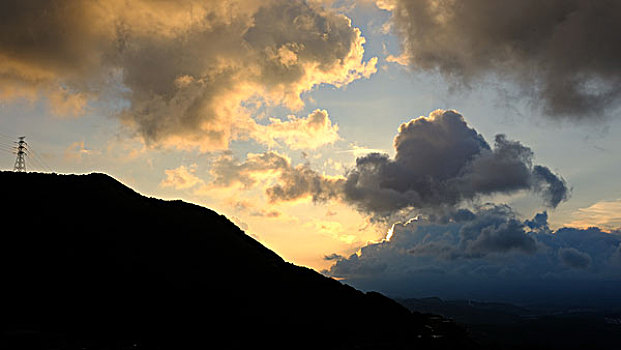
(21, 152)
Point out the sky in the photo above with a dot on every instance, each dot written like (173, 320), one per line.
(406, 146)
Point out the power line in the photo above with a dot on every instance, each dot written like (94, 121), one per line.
(34, 161)
(40, 160)
(5, 138)
(37, 162)
(6, 144)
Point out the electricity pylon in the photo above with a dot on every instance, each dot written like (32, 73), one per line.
(21, 151)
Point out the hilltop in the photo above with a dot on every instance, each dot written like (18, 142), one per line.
(89, 263)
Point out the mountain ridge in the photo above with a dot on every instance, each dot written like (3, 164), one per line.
(90, 263)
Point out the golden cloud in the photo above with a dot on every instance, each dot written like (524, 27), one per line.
(184, 69)
(605, 214)
(181, 178)
(299, 133)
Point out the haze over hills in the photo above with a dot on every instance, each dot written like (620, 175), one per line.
(89, 263)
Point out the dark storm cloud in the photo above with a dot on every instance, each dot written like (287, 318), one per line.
(553, 188)
(495, 230)
(491, 229)
(485, 251)
(539, 222)
(574, 258)
(332, 257)
(564, 53)
(441, 161)
(616, 258)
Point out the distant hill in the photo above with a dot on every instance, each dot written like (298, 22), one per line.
(503, 326)
(87, 263)
(467, 311)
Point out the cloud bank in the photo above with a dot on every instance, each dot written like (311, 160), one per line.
(185, 71)
(566, 54)
(486, 253)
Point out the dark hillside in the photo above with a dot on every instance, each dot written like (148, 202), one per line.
(89, 263)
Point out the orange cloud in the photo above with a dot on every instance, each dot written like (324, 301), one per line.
(181, 178)
(299, 133)
(77, 150)
(605, 214)
(185, 68)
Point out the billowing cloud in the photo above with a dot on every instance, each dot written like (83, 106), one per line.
(488, 252)
(227, 171)
(441, 161)
(493, 229)
(574, 258)
(303, 182)
(299, 133)
(493, 233)
(283, 180)
(181, 72)
(564, 53)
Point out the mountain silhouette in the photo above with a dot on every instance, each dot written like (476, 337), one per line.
(88, 263)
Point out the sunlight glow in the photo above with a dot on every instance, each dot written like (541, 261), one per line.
(390, 233)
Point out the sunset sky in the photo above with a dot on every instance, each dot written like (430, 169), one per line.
(298, 121)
